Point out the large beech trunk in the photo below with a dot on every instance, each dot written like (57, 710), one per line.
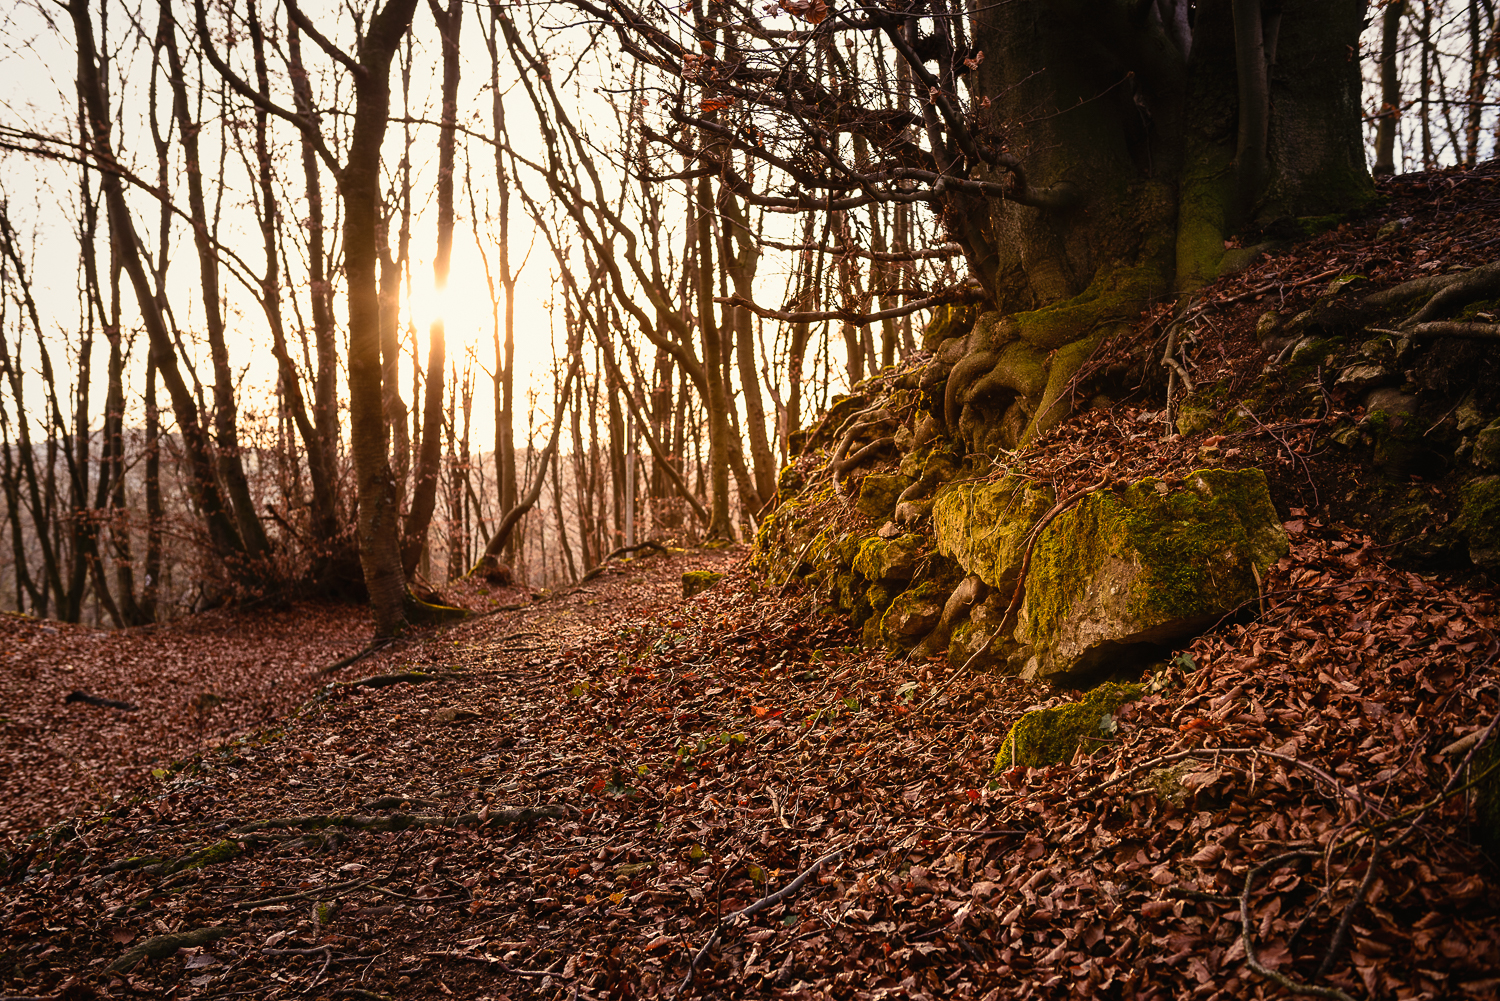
(1139, 160)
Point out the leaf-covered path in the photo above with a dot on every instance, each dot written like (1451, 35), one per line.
(579, 797)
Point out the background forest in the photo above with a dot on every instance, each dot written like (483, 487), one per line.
(591, 294)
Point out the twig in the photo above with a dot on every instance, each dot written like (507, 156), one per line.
(339, 665)
(353, 884)
(762, 904)
(1254, 963)
(793, 571)
(1359, 897)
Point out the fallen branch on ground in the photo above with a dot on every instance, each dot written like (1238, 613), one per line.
(165, 945)
(404, 821)
(354, 658)
(762, 904)
(1251, 959)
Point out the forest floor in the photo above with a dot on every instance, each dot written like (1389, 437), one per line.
(582, 794)
(620, 793)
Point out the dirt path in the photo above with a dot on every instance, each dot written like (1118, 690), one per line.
(579, 796)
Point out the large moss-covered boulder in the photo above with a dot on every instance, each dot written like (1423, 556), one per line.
(984, 526)
(1151, 563)
(1048, 736)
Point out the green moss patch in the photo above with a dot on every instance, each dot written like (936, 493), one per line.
(1479, 520)
(889, 559)
(698, 581)
(1048, 736)
(984, 526)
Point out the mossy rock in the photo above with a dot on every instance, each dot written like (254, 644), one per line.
(1479, 520)
(984, 526)
(788, 482)
(784, 534)
(1486, 454)
(973, 644)
(912, 616)
(889, 559)
(1145, 566)
(697, 581)
(1194, 417)
(1049, 736)
(880, 596)
(878, 494)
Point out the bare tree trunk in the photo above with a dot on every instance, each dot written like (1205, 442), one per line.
(1390, 90)
(429, 461)
(155, 511)
(715, 402)
(325, 390)
(320, 469)
(202, 483)
(505, 356)
(741, 257)
(1425, 41)
(226, 413)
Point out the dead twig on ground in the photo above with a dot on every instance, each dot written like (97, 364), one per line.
(746, 912)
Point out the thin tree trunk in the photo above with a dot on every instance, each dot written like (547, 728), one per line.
(202, 483)
(1425, 41)
(1390, 90)
(325, 389)
(226, 412)
(319, 467)
(429, 461)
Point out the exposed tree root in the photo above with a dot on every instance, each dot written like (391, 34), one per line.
(354, 658)
(165, 945)
(1454, 328)
(1467, 287)
(405, 821)
(614, 554)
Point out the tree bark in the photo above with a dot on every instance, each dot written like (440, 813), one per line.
(1390, 90)
(429, 461)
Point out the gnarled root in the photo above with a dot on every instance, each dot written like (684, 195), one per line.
(970, 591)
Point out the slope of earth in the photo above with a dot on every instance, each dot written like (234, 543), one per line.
(623, 794)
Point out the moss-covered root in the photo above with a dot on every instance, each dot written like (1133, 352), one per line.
(156, 865)
(422, 613)
(404, 821)
(1056, 403)
(1048, 736)
(165, 945)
